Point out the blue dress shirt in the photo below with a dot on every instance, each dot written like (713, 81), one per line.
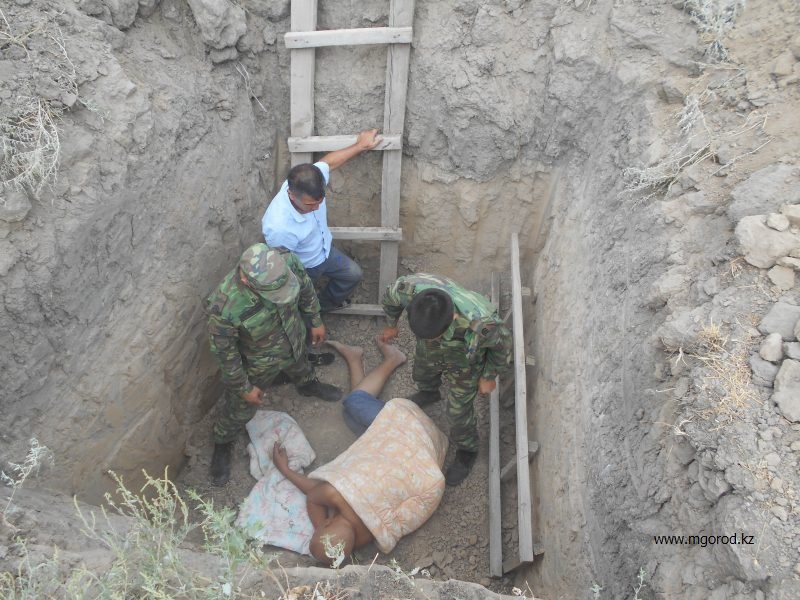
(307, 235)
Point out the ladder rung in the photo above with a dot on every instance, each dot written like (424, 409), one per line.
(361, 309)
(384, 234)
(348, 37)
(329, 143)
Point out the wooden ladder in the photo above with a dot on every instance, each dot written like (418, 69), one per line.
(302, 40)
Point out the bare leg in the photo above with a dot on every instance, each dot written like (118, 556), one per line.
(375, 380)
(354, 357)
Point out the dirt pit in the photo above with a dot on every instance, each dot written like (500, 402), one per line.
(643, 151)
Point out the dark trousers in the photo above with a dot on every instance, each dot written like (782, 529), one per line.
(343, 276)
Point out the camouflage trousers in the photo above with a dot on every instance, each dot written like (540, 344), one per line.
(431, 363)
(261, 370)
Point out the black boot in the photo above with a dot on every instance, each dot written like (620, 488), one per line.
(281, 379)
(460, 467)
(425, 397)
(221, 464)
(321, 359)
(323, 391)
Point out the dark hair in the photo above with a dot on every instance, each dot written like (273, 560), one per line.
(307, 179)
(430, 313)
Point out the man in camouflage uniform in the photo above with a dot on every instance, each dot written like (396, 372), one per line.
(257, 330)
(460, 336)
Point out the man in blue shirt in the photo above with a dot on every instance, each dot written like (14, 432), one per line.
(297, 219)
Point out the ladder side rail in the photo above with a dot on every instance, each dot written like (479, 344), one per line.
(401, 14)
(303, 18)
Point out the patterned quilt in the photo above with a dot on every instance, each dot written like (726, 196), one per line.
(392, 475)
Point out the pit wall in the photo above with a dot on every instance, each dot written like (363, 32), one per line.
(551, 105)
(156, 196)
(520, 118)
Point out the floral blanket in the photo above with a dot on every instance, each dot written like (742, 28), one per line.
(275, 510)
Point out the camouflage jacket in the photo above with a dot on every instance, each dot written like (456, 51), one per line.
(241, 323)
(477, 331)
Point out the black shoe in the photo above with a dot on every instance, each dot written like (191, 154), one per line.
(425, 397)
(221, 464)
(328, 309)
(460, 467)
(321, 359)
(323, 391)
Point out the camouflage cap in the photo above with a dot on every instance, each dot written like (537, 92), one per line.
(269, 275)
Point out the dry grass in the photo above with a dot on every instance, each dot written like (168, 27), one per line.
(323, 590)
(729, 377)
(37, 456)
(242, 70)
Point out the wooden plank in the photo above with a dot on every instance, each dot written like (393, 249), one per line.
(367, 233)
(524, 514)
(360, 309)
(348, 37)
(510, 468)
(495, 511)
(303, 18)
(329, 143)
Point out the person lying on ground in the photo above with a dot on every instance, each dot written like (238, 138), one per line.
(388, 483)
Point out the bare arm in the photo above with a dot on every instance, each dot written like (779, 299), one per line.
(366, 140)
(317, 512)
(281, 460)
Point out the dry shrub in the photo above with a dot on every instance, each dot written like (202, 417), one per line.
(29, 147)
(695, 143)
(29, 135)
(713, 19)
